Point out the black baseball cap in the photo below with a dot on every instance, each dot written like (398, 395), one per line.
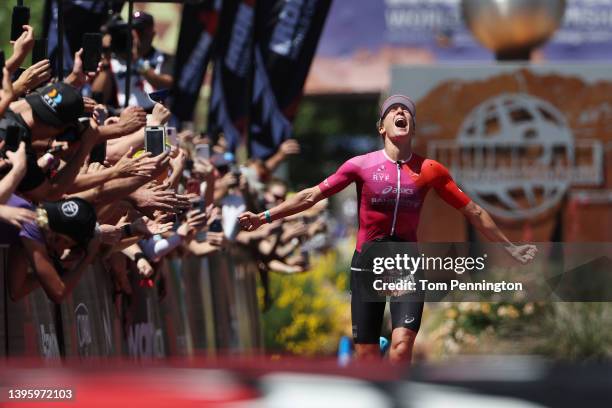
(141, 20)
(57, 104)
(395, 100)
(73, 217)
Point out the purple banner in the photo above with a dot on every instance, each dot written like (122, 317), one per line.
(362, 39)
(369, 25)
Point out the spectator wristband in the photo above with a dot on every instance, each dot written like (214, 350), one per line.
(139, 256)
(268, 216)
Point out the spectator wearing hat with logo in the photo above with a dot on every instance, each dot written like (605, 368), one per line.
(46, 114)
(54, 112)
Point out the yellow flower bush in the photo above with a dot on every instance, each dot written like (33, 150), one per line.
(311, 310)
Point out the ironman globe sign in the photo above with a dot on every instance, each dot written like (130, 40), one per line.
(517, 156)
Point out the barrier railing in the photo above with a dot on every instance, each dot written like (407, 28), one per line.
(201, 306)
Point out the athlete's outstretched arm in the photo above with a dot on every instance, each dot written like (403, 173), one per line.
(448, 190)
(345, 175)
(295, 204)
(483, 222)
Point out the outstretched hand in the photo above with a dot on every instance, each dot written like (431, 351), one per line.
(249, 221)
(23, 45)
(523, 253)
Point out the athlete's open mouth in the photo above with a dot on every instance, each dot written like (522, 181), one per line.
(400, 122)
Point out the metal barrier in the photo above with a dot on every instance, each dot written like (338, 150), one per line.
(245, 274)
(91, 326)
(200, 306)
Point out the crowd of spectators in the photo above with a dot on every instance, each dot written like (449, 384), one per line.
(77, 184)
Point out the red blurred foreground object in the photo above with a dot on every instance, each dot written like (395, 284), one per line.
(173, 382)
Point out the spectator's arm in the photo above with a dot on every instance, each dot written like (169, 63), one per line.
(55, 286)
(177, 164)
(135, 254)
(159, 81)
(202, 248)
(16, 216)
(21, 48)
(223, 185)
(284, 250)
(132, 120)
(134, 116)
(91, 179)
(288, 147)
(8, 93)
(127, 166)
(117, 147)
(103, 82)
(113, 190)
(156, 249)
(78, 77)
(11, 180)
(55, 188)
(32, 77)
(268, 245)
(278, 266)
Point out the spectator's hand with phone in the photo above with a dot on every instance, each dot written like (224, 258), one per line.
(162, 163)
(21, 48)
(78, 77)
(34, 76)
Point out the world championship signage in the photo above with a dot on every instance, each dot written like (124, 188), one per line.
(517, 155)
(519, 140)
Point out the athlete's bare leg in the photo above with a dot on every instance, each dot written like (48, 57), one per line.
(402, 342)
(367, 351)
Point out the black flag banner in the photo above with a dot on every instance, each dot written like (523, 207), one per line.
(288, 32)
(198, 29)
(229, 99)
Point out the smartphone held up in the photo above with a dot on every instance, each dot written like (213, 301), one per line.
(20, 17)
(155, 140)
